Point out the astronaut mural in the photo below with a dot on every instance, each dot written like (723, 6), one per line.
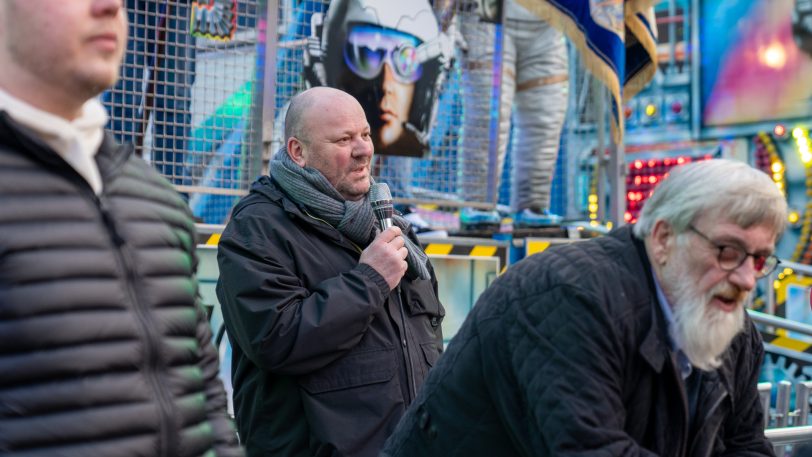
(393, 58)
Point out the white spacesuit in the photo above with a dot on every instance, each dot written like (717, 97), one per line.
(535, 81)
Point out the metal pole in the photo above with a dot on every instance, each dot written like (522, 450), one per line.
(617, 182)
(782, 412)
(268, 80)
(599, 98)
(802, 390)
(764, 391)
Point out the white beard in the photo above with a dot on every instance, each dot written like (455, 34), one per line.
(703, 331)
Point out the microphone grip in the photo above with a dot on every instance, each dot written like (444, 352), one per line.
(386, 222)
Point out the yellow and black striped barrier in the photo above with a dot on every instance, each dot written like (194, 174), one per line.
(468, 250)
(780, 339)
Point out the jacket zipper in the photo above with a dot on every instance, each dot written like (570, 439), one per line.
(407, 353)
(146, 327)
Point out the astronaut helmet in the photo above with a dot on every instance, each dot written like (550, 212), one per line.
(360, 36)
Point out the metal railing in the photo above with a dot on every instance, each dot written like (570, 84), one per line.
(789, 426)
(785, 425)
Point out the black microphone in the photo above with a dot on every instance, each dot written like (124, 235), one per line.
(381, 200)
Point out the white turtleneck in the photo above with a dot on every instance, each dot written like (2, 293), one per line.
(76, 141)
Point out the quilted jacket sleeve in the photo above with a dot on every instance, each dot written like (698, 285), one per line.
(568, 361)
(282, 325)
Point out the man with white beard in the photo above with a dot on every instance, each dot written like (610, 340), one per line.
(635, 343)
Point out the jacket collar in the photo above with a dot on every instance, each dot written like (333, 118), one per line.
(265, 187)
(654, 347)
(110, 158)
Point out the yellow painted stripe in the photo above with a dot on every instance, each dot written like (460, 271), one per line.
(483, 251)
(534, 247)
(439, 249)
(213, 239)
(790, 343)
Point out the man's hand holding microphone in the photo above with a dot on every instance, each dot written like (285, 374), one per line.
(387, 253)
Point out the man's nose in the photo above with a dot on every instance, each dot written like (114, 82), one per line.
(363, 147)
(745, 275)
(106, 7)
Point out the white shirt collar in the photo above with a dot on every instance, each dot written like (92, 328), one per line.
(77, 141)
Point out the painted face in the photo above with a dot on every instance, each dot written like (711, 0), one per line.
(371, 50)
(76, 45)
(339, 145)
(708, 300)
(395, 105)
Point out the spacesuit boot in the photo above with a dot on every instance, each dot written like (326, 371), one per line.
(528, 218)
(477, 219)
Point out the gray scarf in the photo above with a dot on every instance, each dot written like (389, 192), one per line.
(354, 219)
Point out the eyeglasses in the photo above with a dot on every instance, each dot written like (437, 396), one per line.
(732, 257)
(369, 47)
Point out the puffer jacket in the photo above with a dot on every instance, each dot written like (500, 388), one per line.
(104, 350)
(567, 354)
(325, 357)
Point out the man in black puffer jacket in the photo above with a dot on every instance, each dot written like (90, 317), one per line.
(104, 349)
(633, 344)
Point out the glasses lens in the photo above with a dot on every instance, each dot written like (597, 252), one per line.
(363, 60)
(759, 262)
(406, 65)
(731, 257)
(768, 264)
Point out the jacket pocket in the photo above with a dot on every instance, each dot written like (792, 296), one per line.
(430, 353)
(421, 299)
(350, 404)
(356, 369)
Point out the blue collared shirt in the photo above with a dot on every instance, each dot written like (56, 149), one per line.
(684, 365)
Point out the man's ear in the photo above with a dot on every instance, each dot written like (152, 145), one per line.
(661, 241)
(296, 151)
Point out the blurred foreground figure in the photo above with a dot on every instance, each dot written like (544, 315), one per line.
(104, 350)
(636, 343)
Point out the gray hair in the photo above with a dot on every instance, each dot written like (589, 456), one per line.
(729, 189)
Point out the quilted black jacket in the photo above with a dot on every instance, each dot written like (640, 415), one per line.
(103, 349)
(566, 355)
(326, 357)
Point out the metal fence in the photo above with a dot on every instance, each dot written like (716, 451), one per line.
(426, 171)
(203, 92)
(188, 96)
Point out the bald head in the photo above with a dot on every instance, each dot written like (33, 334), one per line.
(327, 130)
(305, 104)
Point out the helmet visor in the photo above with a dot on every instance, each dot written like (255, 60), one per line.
(369, 47)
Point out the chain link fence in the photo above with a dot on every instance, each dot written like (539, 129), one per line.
(192, 100)
(187, 97)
